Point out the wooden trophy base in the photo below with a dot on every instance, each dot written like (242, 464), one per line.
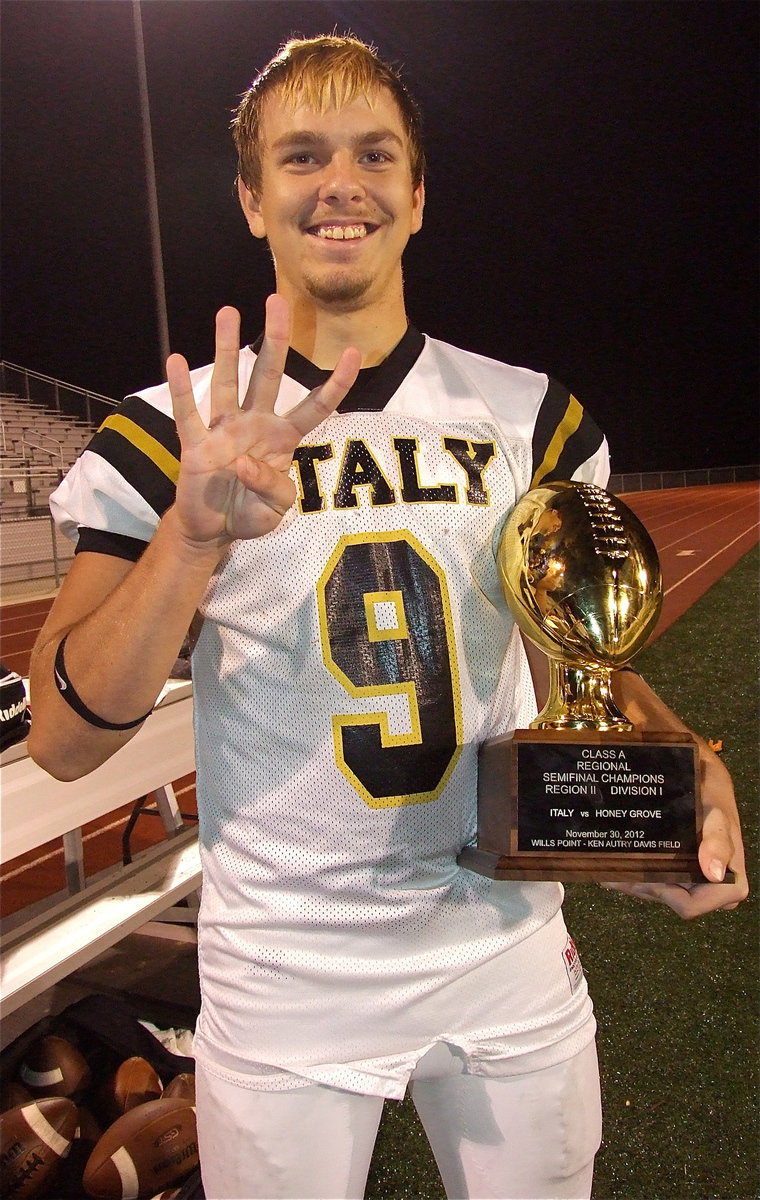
(586, 805)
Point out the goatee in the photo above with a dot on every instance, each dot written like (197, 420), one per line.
(337, 289)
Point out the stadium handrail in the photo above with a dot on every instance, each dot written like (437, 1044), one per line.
(77, 394)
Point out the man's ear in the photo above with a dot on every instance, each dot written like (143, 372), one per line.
(418, 199)
(251, 209)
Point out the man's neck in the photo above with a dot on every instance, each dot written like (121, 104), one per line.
(322, 335)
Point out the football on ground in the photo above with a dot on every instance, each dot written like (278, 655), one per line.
(134, 1082)
(34, 1138)
(151, 1148)
(182, 1085)
(54, 1067)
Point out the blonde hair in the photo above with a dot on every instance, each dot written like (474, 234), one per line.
(322, 72)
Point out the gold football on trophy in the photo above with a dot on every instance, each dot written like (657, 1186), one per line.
(582, 578)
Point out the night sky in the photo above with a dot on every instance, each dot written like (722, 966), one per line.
(591, 195)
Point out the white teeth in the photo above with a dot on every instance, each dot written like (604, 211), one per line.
(341, 232)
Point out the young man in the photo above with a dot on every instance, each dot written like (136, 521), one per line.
(354, 652)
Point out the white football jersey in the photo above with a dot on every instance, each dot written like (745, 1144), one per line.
(350, 664)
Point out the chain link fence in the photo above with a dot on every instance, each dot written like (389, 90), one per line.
(650, 481)
(35, 556)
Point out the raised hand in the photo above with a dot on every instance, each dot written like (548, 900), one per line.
(234, 480)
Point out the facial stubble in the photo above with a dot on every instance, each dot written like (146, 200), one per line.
(337, 289)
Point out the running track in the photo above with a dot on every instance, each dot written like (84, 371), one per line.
(699, 532)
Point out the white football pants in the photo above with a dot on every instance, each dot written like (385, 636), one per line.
(519, 1137)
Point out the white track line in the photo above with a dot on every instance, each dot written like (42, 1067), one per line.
(691, 513)
(692, 533)
(717, 554)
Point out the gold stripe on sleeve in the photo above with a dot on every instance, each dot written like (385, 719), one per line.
(148, 445)
(570, 421)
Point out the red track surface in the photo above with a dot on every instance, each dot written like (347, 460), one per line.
(700, 533)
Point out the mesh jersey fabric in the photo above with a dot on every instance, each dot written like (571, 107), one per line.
(348, 667)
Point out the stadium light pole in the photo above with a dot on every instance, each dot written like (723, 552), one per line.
(157, 258)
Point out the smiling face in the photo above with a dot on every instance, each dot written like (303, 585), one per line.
(336, 201)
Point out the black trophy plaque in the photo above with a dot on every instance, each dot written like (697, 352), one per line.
(575, 805)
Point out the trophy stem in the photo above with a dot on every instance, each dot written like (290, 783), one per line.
(580, 698)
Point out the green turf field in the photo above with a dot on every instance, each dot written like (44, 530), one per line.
(677, 1003)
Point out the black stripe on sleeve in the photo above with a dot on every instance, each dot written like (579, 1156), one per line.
(561, 443)
(578, 448)
(154, 422)
(118, 545)
(146, 467)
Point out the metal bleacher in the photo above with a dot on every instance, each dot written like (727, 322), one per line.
(44, 425)
(37, 446)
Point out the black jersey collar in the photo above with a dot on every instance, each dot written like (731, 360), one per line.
(374, 386)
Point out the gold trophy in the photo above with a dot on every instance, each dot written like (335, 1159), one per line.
(582, 795)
